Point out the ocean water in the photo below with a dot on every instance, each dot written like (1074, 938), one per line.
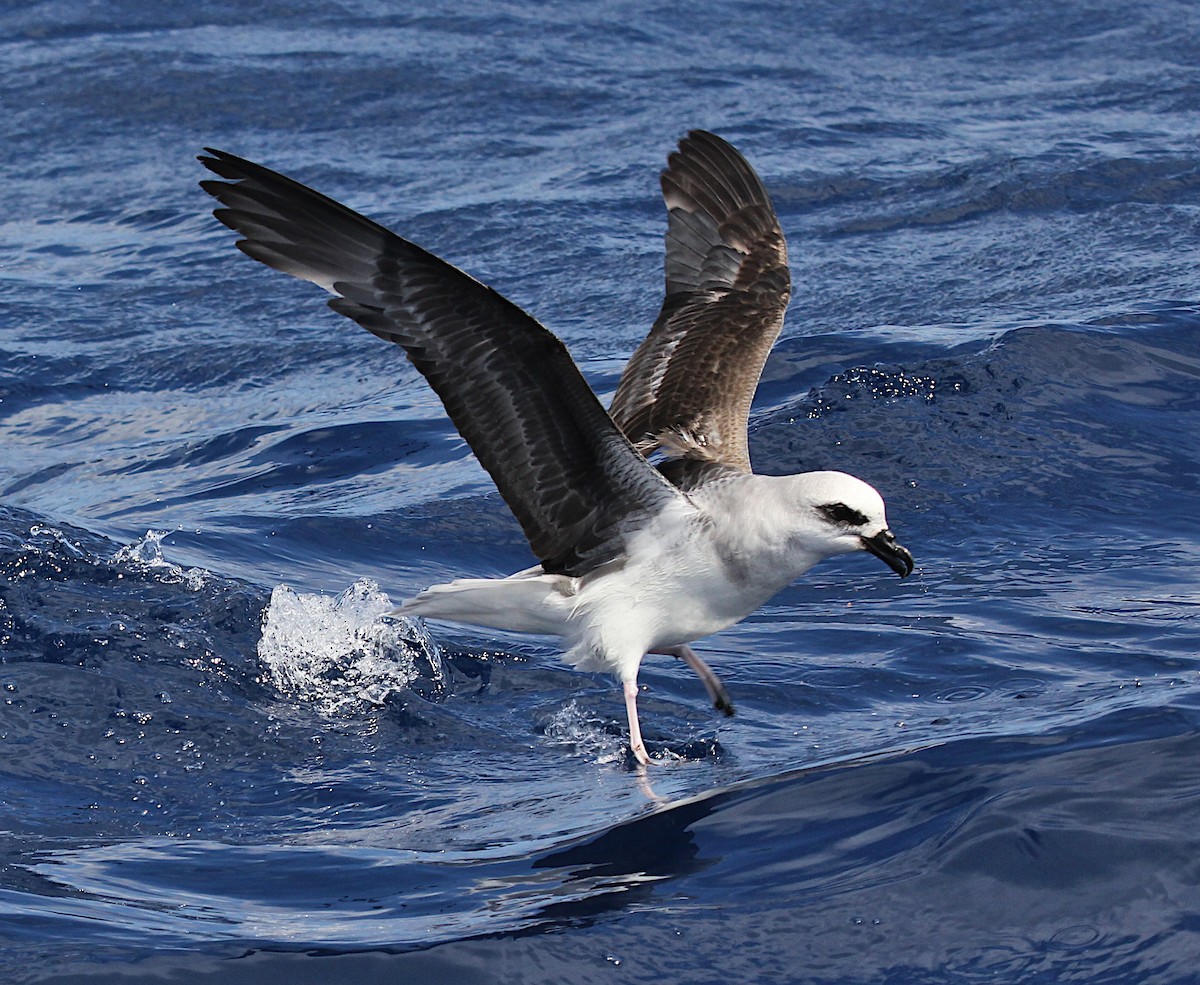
(219, 761)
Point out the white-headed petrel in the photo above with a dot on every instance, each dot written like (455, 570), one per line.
(635, 558)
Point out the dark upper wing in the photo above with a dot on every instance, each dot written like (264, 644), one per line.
(688, 387)
(510, 387)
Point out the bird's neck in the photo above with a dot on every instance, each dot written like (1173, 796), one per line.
(764, 530)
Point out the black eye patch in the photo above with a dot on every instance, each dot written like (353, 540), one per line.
(841, 513)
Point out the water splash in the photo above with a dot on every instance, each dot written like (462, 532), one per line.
(146, 555)
(40, 532)
(590, 736)
(876, 383)
(345, 651)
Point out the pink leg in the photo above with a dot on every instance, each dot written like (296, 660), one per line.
(635, 730)
(714, 687)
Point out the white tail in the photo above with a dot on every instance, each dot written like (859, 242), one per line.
(527, 602)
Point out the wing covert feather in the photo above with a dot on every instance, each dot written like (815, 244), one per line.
(511, 388)
(688, 388)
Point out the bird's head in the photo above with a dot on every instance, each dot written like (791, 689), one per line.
(841, 514)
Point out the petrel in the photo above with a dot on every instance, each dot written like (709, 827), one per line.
(650, 529)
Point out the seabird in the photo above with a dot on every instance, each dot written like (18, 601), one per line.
(634, 557)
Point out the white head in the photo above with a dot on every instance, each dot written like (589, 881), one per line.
(840, 514)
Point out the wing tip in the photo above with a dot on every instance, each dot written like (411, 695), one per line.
(219, 161)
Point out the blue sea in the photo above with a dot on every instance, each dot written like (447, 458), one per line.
(220, 762)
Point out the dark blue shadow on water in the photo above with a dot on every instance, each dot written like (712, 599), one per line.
(1029, 858)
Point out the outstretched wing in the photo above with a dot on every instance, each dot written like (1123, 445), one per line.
(567, 472)
(688, 387)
